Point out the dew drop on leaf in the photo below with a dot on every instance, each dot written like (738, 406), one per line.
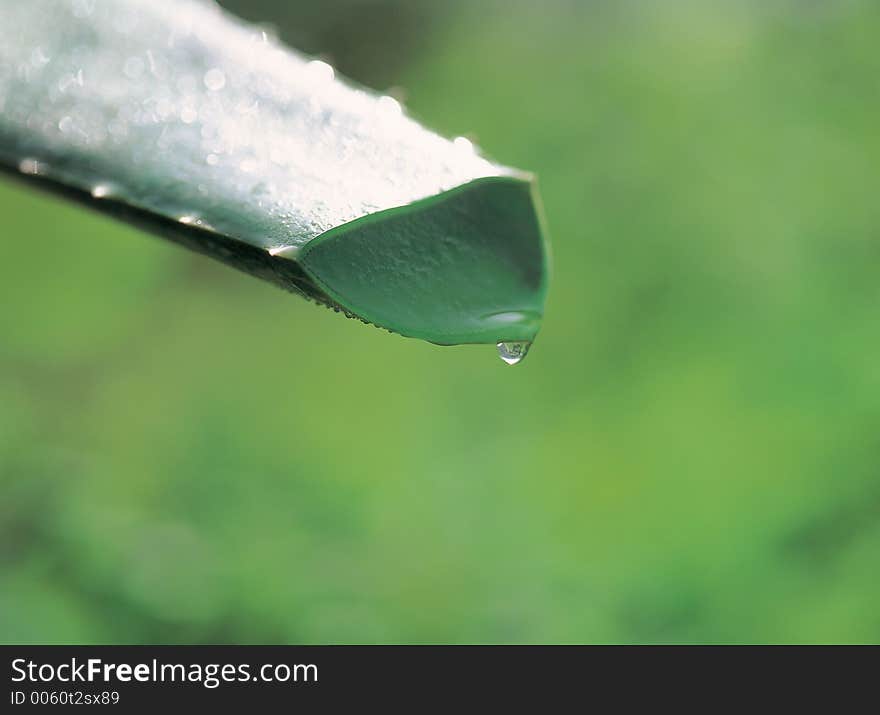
(513, 352)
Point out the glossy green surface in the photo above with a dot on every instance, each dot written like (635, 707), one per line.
(465, 267)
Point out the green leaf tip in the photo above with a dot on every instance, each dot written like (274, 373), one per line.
(466, 266)
(186, 121)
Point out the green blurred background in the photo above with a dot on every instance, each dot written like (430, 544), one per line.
(689, 454)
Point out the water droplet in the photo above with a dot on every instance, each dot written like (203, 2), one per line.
(463, 144)
(30, 166)
(513, 351)
(101, 191)
(284, 251)
(390, 105)
(214, 79)
(188, 115)
(320, 70)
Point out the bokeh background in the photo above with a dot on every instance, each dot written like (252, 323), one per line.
(689, 454)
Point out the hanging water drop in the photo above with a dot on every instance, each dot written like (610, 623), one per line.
(513, 351)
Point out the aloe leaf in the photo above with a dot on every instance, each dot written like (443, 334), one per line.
(185, 120)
